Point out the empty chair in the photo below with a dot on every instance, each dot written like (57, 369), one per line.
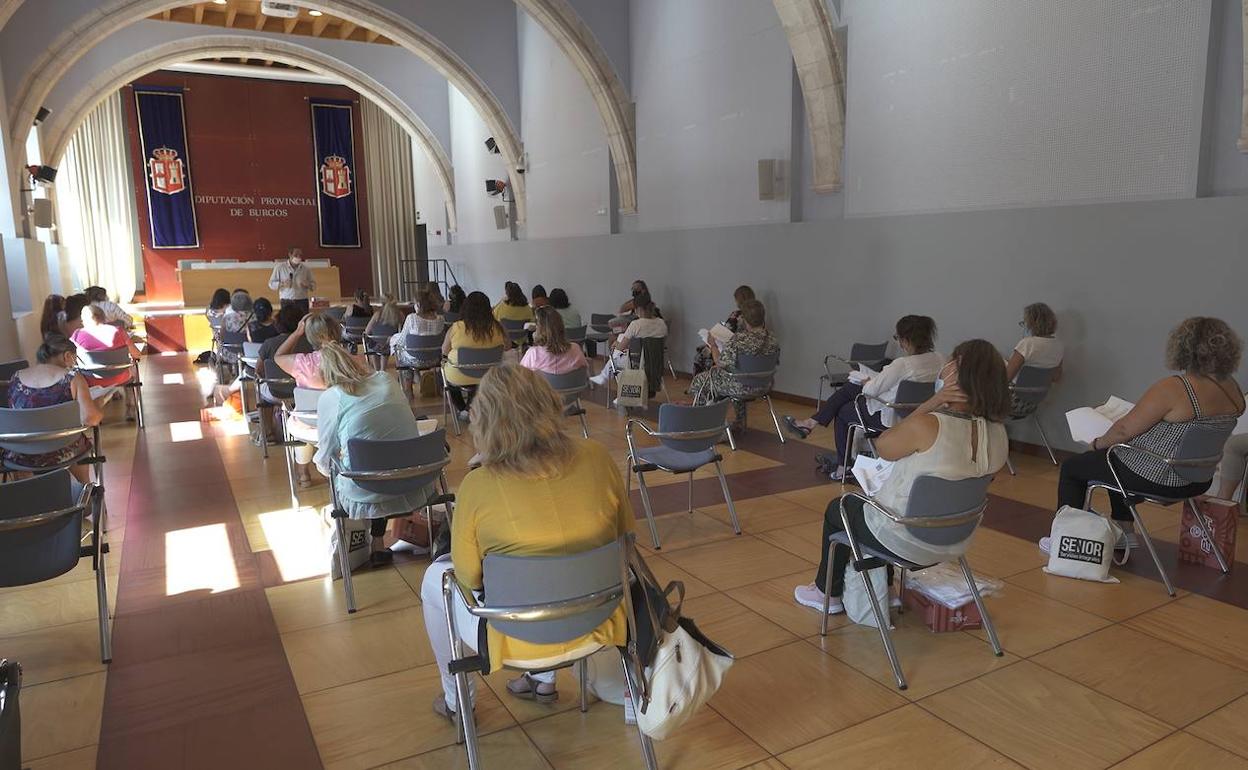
(1028, 391)
(99, 365)
(471, 362)
(41, 522)
(910, 396)
(397, 468)
(576, 334)
(542, 600)
(599, 330)
(869, 355)
(687, 437)
(940, 512)
(570, 386)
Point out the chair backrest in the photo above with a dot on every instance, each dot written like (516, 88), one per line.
(338, 312)
(390, 455)
(524, 581)
(868, 353)
(450, 317)
(231, 340)
(110, 358)
(911, 392)
(64, 417)
(38, 552)
(251, 349)
(1032, 384)
(933, 497)
(575, 334)
(425, 349)
(756, 373)
(10, 715)
(307, 399)
(9, 368)
(475, 362)
(379, 338)
(515, 329)
(706, 420)
(569, 385)
(1199, 452)
(600, 322)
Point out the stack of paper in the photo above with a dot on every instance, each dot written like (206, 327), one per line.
(720, 332)
(871, 473)
(862, 374)
(1090, 423)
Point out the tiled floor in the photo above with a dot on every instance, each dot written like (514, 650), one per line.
(222, 582)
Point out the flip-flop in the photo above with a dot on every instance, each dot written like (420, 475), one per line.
(794, 428)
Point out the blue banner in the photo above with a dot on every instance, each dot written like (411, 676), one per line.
(333, 145)
(167, 168)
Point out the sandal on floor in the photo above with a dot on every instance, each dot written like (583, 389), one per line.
(303, 483)
(443, 710)
(794, 428)
(381, 558)
(525, 688)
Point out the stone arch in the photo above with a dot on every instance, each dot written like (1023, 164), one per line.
(86, 99)
(820, 69)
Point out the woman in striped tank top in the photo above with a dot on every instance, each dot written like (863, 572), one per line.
(1203, 398)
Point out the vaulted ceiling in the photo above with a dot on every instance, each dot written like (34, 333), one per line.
(245, 14)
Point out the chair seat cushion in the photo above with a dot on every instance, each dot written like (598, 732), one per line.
(674, 461)
(891, 558)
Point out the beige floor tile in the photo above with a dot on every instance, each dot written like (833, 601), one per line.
(1155, 677)
(1207, 627)
(908, 737)
(1227, 727)
(1028, 623)
(733, 626)
(760, 514)
(666, 572)
(84, 571)
(1001, 555)
(56, 652)
(600, 739)
(770, 763)
(358, 648)
(816, 498)
(509, 748)
(1115, 601)
(773, 599)
(681, 530)
(791, 695)
(524, 711)
(931, 662)
(1183, 750)
(736, 562)
(1037, 491)
(46, 604)
(370, 723)
(62, 716)
(804, 540)
(79, 759)
(413, 573)
(319, 601)
(1042, 719)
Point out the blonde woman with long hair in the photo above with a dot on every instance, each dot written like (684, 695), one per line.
(551, 352)
(538, 492)
(361, 403)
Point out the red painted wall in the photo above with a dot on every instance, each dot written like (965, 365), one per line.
(249, 139)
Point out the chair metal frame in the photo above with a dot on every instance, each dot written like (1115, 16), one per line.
(1132, 498)
(377, 347)
(418, 354)
(571, 396)
(636, 341)
(856, 428)
(641, 468)
(262, 405)
(836, 380)
(1040, 391)
(135, 382)
(91, 497)
(91, 457)
(750, 393)
(289, 410)
(447, 406)
(460, 666)
(861, 563)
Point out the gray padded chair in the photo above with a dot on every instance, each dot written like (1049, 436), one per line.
(43, 430)
(687, 437)
(377, 345)
(392, 468)
(472, 362)
(7, 370)
(41, 537)
(756, 375)
(910, 396)
(101, 364)
(1196, 461)
(576, 335)
(940, 512)
(863, 353)
(353, 329)
(10, 714)
(425, 352)
(450, 317)
(1028, 391)
(599, 327)
(570, 386)
(337, 312)
(303, 407)
(543, 600)
(516, 332)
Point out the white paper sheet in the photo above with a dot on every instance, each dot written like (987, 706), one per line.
(1090, 423)
(871, 473)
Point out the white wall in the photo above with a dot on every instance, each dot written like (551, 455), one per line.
(1227, 165)
(473, 165)
(430, 200)
(711, 82)
(978, 103)
(567, 182)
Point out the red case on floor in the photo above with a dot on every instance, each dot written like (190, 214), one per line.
(1193, 549)
(938, 617)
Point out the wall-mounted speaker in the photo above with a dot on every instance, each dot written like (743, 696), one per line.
(41, 212)
(767, 180)
(42, 115)
(500, 217)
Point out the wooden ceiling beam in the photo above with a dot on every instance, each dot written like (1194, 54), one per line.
(289, 25)
(260, 20)
(199, 13)
(345, 28)
(166, 14)
(318, 24)
(370, 36)
(231, 14)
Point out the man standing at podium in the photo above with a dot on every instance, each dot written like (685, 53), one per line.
(293, 281)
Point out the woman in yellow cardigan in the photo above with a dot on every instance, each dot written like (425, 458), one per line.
(514, 306)
(539, 492)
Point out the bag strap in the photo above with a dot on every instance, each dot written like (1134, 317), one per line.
(644, 574)
(1115, 532)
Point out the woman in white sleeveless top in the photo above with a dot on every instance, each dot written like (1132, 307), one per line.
(957, 434)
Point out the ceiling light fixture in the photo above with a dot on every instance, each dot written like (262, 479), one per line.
(219, 2)
(314, 12)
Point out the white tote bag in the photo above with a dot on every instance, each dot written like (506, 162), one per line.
(632, 385)
(1081, 545)
(687, 671)
(358, 545)
(858, 603)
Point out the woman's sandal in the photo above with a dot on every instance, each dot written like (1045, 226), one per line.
(524, 688)
(794, 428)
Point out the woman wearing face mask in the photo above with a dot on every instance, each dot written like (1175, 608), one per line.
(292, 280)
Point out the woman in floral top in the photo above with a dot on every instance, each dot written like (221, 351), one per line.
(752, 339)
(702, 358)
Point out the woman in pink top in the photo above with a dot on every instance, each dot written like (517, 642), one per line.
(551, 352)
(96, 335)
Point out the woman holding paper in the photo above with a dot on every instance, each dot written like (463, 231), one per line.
(703, 359)
(957, 434)
(753, 339)
(1203, 398)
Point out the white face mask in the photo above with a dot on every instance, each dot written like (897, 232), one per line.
(940, 378)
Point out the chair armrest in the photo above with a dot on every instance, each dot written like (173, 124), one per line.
(923, 522)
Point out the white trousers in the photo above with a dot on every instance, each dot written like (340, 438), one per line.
(434, 605)
(620, 357)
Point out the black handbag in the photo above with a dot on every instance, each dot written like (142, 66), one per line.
(10, 717)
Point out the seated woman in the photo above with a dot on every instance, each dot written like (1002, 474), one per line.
(753, 339)
(703, 358)
(647, 325)
(51, 381)
(425, 321)
(539, 297)
(1203, 398)
(72, 320)
(1234, 464)
(218, 305)
(630, 306)
(390, 315)
(559, 301)
(262, 326)
(236, 319)
(957, 434)
(919, 362)
(476, 328)
(539, 492)
(113, 313)
(53, 315)
(1039, 349)
(361, 403)
(362, 307)
(455, 299)
(513, 307)
(96, 335)
(551, 352)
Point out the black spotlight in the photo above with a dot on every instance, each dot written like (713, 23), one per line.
(492, 146)
(44, 174)
(495, 186)
(42, 115)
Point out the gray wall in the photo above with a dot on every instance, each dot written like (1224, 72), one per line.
(1118, 275)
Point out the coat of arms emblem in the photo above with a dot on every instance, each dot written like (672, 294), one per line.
(335, 176)
(166, 171)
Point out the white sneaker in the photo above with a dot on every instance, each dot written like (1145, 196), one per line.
(1046, 544)
(811, 596)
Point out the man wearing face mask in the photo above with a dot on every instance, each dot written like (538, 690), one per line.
(293, 281)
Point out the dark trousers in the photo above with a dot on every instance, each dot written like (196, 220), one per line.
(841, 554)
(840, 407)
(459, 396)
(302, 304)
(377, 527)
(1072, 487)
